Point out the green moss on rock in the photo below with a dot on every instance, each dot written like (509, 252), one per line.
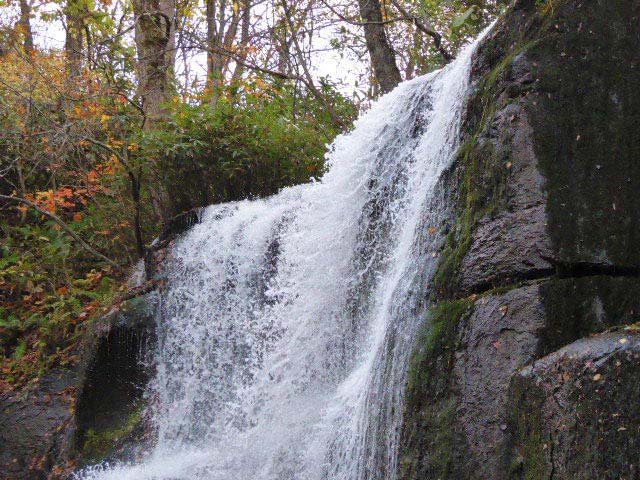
(480, 195)
(481, 176)
(104, 443)
(431, 440)
(438, 336)
(531, 460)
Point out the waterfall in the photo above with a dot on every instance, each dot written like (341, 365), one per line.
(286, 323)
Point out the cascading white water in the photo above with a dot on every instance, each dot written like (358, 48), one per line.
(286, 323)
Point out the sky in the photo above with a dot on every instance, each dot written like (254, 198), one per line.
(343, 69)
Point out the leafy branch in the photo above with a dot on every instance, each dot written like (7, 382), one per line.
(64, 227)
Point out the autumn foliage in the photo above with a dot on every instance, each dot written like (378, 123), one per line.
(73, 147)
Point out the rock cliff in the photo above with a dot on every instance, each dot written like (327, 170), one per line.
(528, 364)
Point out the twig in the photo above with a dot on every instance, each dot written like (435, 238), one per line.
(420, 25)
(355, 22)
(65, 227)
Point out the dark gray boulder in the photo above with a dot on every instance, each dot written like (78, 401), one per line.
(457, 400)
(85, 412)
(575, 414)
(37, 424)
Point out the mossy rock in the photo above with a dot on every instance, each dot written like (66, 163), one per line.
(456, 415)
(575, 413)
(558, 79)
(116, 371)
(106, 443)
(430, 440)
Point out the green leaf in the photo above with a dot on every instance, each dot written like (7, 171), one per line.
(20, 350)
(8, 261)
(11, 322)
(463, 19)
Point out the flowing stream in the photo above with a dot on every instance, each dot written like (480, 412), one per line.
(286, 324)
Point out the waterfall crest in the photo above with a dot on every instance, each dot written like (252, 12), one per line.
(286, 324)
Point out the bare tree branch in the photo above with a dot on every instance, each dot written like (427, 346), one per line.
(335, 118)
(420, 25)
(356, 22)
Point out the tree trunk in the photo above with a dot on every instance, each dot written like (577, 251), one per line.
(212, 42)
(74, 38)
(220, 39)
(383, 58)
(244, 41)
(155, 42)
(25, 26)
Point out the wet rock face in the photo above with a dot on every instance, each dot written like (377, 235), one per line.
(548, 172)
(36, 425)
(117, 369)
(85, 413)
(498, 338)
(543, 252)
(589, 151)
(510, 243)
(576, 412)
(457, 422)
(559, 101)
